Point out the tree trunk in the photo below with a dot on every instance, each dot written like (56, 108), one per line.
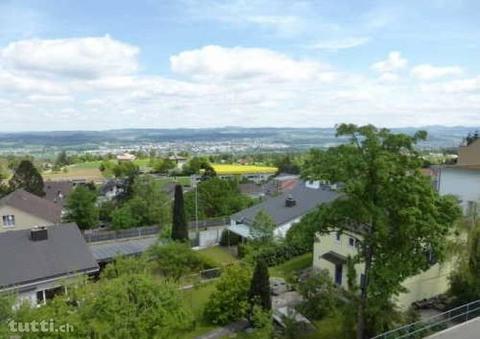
(362, 306)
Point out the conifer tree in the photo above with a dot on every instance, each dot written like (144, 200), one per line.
(26, 176)
(259, 293)
(179, 224)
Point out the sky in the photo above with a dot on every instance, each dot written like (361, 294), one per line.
(92, 65)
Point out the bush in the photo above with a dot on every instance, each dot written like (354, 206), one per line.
(273, 253)
(176, 259)
(229, 302)
(320, 296)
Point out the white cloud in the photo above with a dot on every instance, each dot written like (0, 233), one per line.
(76, 58)
(394, 62)
(429, 72)
(454, 86)
(277, 16)
(243, 63)
(218, 86)
(335, 45)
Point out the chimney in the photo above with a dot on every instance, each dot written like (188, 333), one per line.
(290, 202)
(39, 233)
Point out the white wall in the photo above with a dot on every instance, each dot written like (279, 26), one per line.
(208, 237)
(463, 183)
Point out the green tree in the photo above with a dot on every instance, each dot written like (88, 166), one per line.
(26, 176)
(129, 306)
(179, 223)
(302, 234)
(259, 293)
(216, 198)
(175, 259)
(386, 198)
(147, 205)
(125, 169)
(62, 159)
(81, 207)
(319, 295)
(6, 312)
(229, 302)
(194, 165)
(125, 217)
(127, 265)
(263, 226)
(163, 165)
(465, 280)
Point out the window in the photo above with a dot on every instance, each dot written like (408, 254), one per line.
(351, 241)
(337, 236)
(8, 220)
(40, 297)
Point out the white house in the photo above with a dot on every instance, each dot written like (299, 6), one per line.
(285, 209)
(462, 182)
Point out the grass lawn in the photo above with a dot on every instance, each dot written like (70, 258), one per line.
(218, 255)
(288, 269)
(195, 299)
(89, 174)
(327, 328)
(185, 181)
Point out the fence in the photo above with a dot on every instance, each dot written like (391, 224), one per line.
(96, 235)
(210, 222)
(434, 324)
(102, 235)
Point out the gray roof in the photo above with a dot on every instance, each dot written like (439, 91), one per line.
(106, 251)
(53, 188)
(24, 261)
(34, 205)
(306, 200)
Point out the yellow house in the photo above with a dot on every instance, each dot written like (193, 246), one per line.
(23, 210)
(331, 251)
(469, 155)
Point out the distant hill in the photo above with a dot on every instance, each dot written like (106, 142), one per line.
(292, 138)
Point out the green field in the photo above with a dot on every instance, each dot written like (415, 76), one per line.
(196, 299)
(90, 171)
(288, 269)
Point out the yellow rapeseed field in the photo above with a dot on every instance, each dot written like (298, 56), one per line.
(222, 169)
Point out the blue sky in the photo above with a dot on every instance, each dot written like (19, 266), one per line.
(186, 63)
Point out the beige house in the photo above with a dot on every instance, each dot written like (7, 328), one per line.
(469, 155)
(126, 157)
(23, 210)
(332, 250)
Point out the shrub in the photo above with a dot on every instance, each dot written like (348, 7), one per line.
(229, 302)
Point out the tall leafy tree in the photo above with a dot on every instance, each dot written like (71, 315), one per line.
(387, 199)
(263, 226)
(81, 207)
(179, 223)
(465, 281)
(216, 198)
(259, 293)
(26, 176)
